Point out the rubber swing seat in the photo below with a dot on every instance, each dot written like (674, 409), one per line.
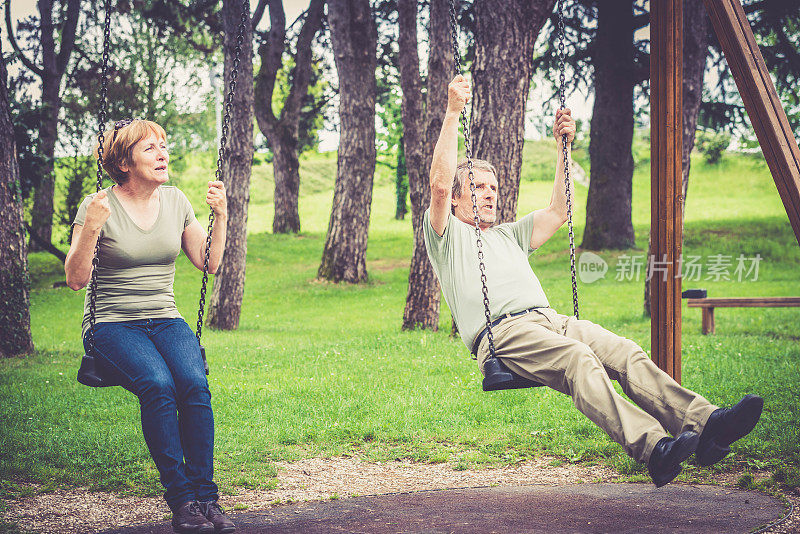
(497, 376)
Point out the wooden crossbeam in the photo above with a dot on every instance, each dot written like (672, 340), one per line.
(666, 139)
(761, 102)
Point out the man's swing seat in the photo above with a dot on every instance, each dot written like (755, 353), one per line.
(88, 373)
(496, 375)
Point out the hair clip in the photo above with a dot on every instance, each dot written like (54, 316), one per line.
(119, 125)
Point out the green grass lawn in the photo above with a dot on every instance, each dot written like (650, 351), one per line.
(318, 369)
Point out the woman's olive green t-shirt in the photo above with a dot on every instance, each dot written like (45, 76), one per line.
(136, 267)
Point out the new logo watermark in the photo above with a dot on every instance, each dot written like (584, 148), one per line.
(715, 267)
(591, 267)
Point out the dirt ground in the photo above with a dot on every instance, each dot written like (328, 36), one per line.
(80, 510)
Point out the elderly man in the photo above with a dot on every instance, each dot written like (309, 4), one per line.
(576, 357)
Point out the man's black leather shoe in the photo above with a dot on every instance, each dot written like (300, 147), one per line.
(189, 519)
(665, 461)
(726, 425)
(213, 512)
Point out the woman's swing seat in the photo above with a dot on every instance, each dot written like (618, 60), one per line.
(89, 375)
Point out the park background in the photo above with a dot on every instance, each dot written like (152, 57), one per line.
(318, 365)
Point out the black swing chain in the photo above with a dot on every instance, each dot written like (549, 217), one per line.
(220, 158)
(101, 120)
(562, 100)
(476, 217)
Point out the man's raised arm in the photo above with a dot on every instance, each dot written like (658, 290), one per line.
(445, 154)
(547, 221)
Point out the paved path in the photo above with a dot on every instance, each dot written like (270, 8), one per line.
(618, 508)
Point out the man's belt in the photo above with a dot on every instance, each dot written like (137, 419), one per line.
(496, 322)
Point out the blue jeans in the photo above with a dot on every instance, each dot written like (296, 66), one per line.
(159, 361)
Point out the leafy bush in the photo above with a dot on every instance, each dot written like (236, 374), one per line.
(712, 145)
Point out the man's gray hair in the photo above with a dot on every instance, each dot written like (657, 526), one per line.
(462, 173)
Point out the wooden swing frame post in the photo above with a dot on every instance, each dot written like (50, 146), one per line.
(769, 122)
(666, 133)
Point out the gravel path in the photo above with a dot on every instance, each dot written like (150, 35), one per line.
(79, 510)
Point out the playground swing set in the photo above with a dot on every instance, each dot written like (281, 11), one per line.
(666, 31)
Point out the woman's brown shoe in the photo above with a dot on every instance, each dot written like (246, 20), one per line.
(189, 519)
(215, 514)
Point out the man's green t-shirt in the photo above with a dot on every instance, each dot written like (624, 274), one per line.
(510, 280)
(136, 268)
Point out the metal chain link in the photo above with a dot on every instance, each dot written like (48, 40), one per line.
(468, 151)
(101, 121)
(221, 156)
(562, 99)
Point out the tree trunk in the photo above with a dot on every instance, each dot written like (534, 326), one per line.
(354, 38)
(608, 205)
(401, 183)
(421, 126)
(282, 132)
(15, 318)
(42, 211)
(226, 299)
(505, 33)
(695, 52)
(52, 71)
(286, 169)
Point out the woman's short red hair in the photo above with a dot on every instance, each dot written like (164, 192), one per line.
(117, 150)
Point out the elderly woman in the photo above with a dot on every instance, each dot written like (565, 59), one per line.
(140, 339)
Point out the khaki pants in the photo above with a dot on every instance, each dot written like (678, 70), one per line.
(578, 358)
